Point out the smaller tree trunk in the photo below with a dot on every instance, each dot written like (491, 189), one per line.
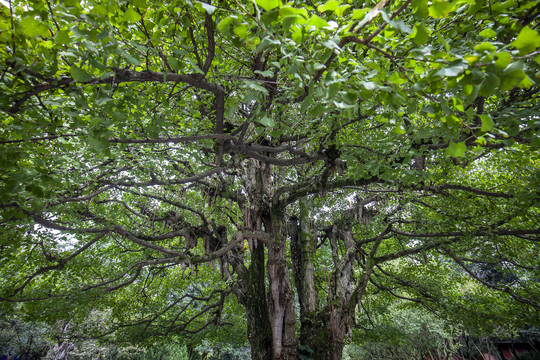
(61, 349)
(323, 332)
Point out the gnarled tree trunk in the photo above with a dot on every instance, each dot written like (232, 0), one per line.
(323, 332)
(281, 298)
(256, 305)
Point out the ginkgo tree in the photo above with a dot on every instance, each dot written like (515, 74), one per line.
(168, 162)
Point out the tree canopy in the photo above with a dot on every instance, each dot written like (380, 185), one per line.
(287, 170)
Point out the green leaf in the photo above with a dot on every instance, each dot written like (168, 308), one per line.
(332, 90)
(456, 149)
(452, 70)
(420, 34)
(255, 86)
(141, 4)
(526, 82)
(512, 75)
(400, 130)
(194, 65)
(420, 8)
(298, 35)
(307, 101)
(79, 74)
(224, 25)
(503, 59)
(266, 121)
(266, 74)
(132, 16)
(288, 10)
(490, 85)
(33, 28)
(440, 9)
(359, 13)
(331, 44)
(174, 63)
(328, 6)
(96, 143)
(488, 33)
(90, 46)
(130, 58)
(318, 110)
(527, 41)
(341, 10)
(487, 123)
(292, 19)
(404, 28)
(94, 63)
(62, 37)
(396, 79)
(99, 10)
(485, 47)
(268, 4)
(369, 85)
(316, 21)
(458, 104)
(241, 30)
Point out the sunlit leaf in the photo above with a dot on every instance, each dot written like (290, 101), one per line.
(328, 6)
(487, 123)
(132, 16)
(33, 28)
(439, 8)
(268, 4)
(456, 149)
(527, 41)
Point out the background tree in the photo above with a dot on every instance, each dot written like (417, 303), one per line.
(28, 341)
(166, 161)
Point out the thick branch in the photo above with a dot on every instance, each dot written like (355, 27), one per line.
(126, 75)
(438, 189)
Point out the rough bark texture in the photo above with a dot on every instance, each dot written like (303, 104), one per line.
(281, 299)
(258, 322)
(323, 332)
(254, 292)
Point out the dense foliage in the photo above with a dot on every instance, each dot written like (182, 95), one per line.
(281, 172)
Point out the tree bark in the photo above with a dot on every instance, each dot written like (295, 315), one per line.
(323, 332)
(281, 299)
(256, 305)
(61, 349)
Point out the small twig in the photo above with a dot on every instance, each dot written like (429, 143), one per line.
(52, 15)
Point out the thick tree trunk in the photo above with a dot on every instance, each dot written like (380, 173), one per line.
(281, 299)
(258, 322)
(323, 332)
(303, 246)
(268, 311)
